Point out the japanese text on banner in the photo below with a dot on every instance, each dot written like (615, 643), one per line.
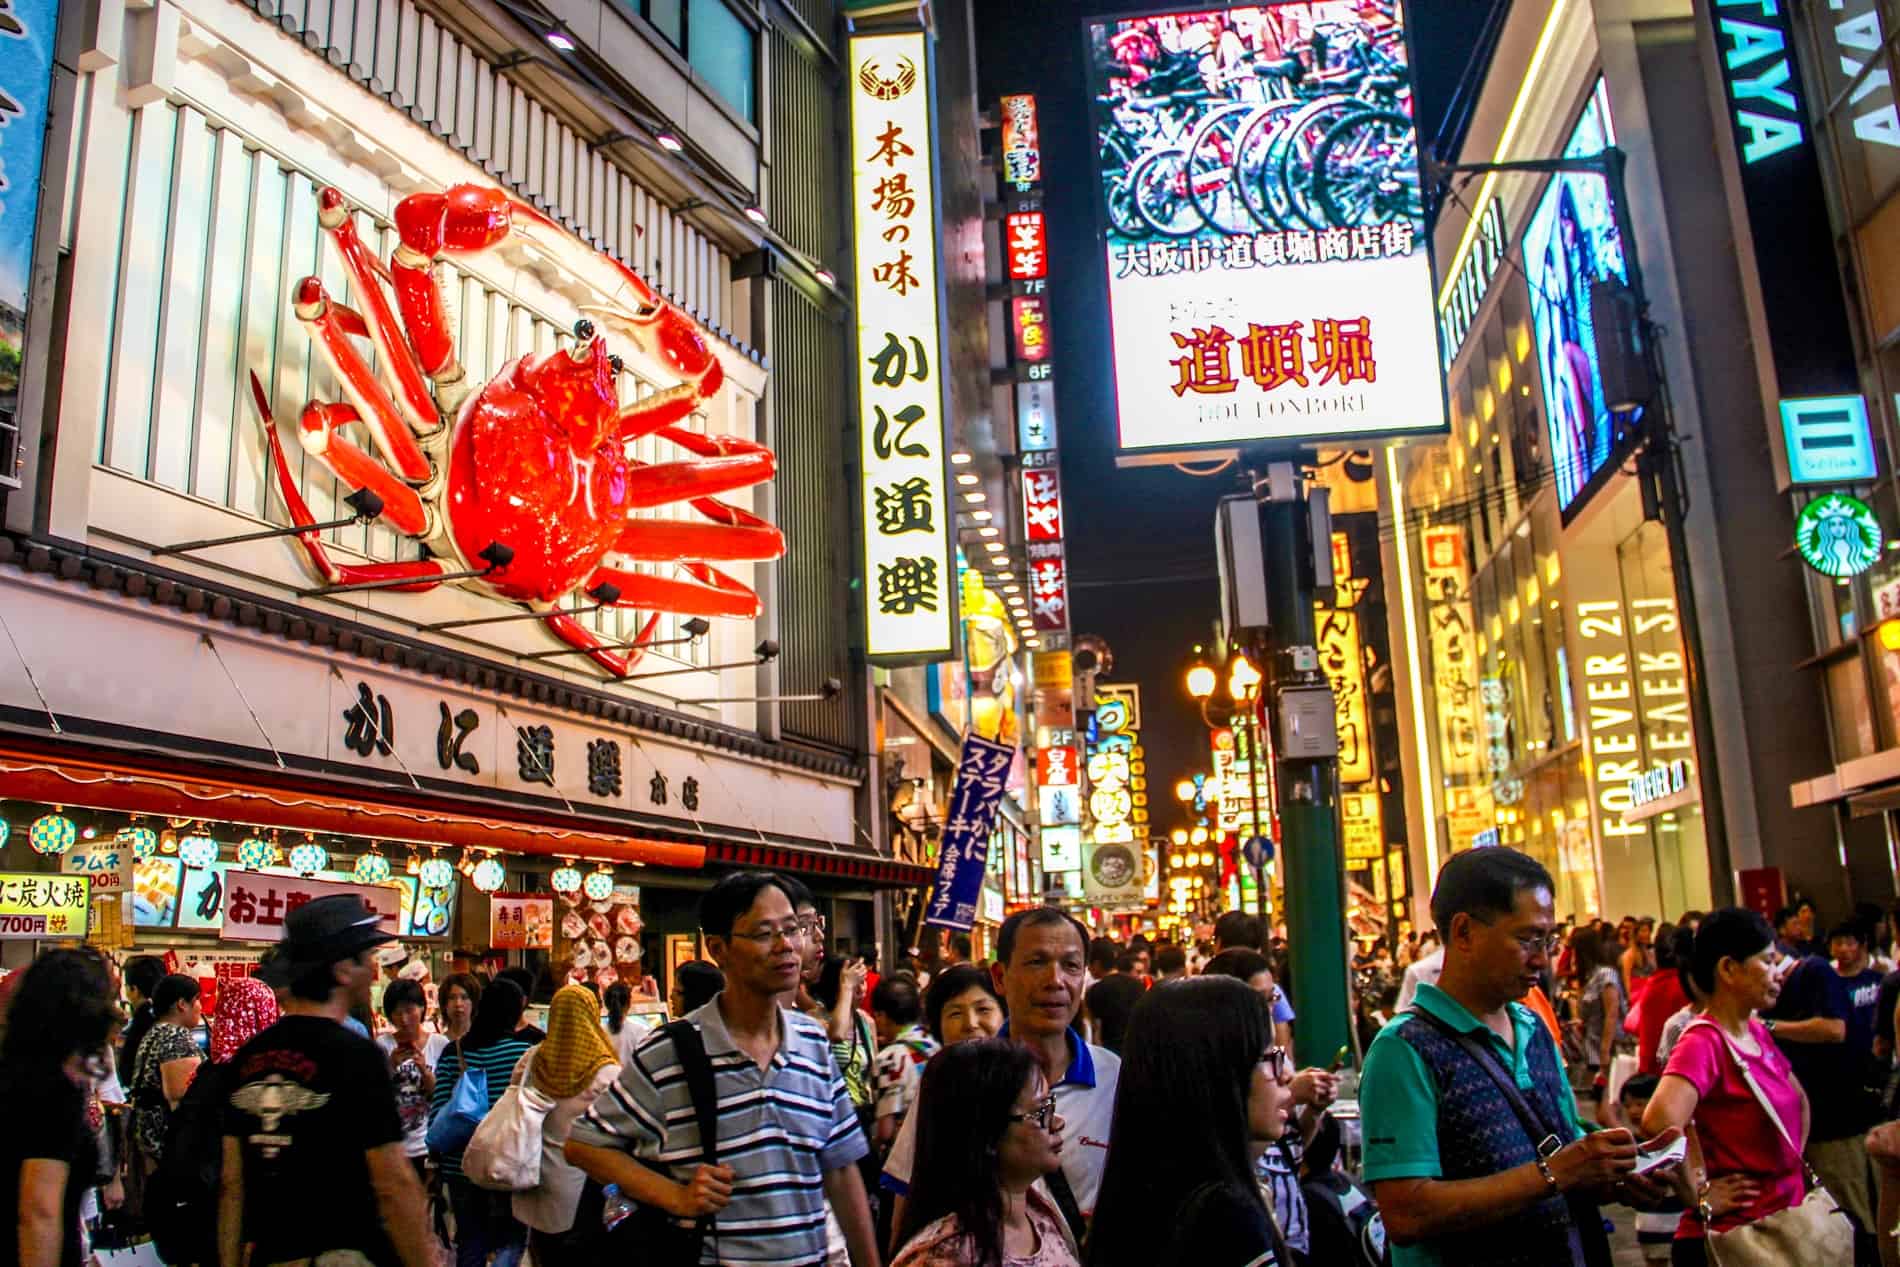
(982, 770)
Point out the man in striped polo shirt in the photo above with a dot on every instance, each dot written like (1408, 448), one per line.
(789, 1139)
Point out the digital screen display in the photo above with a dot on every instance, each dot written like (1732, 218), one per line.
(1269, 274)
(1571, 243)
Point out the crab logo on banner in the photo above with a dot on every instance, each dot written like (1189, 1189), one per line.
(907, 572)
(521, 487)
(982, 770)
(1269, 273)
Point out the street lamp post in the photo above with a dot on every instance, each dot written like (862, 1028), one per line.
(1243, 684)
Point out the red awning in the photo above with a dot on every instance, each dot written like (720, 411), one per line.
(62, 772)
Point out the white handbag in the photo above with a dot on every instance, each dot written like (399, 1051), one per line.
(505, 1153)
(1814, 1231)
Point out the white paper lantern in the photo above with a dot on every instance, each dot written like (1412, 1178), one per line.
(599, 885)
(436, 873)
(256, 853)
(53, 834)
(565, 880)
(371, 868)
(309, 858)
(200, 852)
(488, 875)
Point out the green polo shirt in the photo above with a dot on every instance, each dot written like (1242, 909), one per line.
(1398, 1100)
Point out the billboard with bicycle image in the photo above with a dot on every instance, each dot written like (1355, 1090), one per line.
(1262, 223)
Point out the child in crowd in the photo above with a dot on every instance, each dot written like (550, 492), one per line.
(1655, 1229)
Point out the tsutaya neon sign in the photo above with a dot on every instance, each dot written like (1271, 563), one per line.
(1758, 72)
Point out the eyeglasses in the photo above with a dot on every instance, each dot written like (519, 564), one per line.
(1536, 942)
(1042, 1115)
(765, 935)
(812, 924)
(1279, 1064)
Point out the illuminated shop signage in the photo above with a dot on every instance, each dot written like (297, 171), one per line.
(1048, 585)
(1459, 308)
(1274, 282)
(1336, 637)
(1035, 416)
(1042, 503)
(909, 580)
(1029, 322)
(1661, 788)
(1782, 190)
(1022, 143)
(1828, 440)
(1838, 535)
(1570, 244)
(1451, 632)
(1026, 245)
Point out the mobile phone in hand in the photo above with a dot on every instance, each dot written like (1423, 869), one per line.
(1668, 1155)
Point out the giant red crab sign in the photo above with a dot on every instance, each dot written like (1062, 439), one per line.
(520, 487)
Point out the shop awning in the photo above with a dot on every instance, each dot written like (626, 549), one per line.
(1868, 784)
(61, 772)
(869, 868)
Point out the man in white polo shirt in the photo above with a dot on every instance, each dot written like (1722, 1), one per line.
(1041, 972)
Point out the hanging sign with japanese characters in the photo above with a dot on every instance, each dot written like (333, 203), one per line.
(982, 769)
(1042, 501)
(520, 923)
(35, 905)
(1026, 245)
(1336, 635)
(1048, 585)
(1022, 143)
(1269, 273)
(908, 576)
(257, 903)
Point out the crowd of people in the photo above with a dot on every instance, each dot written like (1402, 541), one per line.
(1073, 1101)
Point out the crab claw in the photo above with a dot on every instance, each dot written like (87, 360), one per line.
(662, 330)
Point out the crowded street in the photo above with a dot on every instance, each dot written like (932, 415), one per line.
(949, 633)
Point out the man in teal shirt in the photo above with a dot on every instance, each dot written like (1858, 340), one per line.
(1464, 1176)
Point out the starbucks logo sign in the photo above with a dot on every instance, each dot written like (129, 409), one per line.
(1838, 535)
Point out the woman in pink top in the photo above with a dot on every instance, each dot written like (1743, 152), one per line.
(1745, 1169)
(987, 1135)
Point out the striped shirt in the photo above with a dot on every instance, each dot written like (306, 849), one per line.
(497, 1059)
(780, 1128)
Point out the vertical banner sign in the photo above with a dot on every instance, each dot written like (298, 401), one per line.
(1452, 635)
(1026, 246)
(1048, 585)
(964, 854)
(1035, 414)
(1022, 144)
(1042, 501)
(1336, 637)
(909, 581)
(1781, 188)
(1029, 322)
(1269, 273)
(26, 70)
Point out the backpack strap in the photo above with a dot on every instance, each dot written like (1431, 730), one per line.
(690, 1047)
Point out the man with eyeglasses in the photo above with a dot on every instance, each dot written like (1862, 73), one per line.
(789, 1140)
(1473, 1144)
(1041, 970)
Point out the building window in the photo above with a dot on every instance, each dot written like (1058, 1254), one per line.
(668, 18)
(720, 49)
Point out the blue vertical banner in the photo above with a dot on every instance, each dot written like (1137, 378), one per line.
(982, 769)
(27, 28)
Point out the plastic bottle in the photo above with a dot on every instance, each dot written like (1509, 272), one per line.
(614, 1207)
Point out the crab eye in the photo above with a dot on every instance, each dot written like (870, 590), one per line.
(617, 363)
(583, 329)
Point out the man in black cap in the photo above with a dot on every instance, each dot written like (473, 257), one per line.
(313, 1146)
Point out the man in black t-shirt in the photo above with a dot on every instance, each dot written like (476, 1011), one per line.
(313, 1145)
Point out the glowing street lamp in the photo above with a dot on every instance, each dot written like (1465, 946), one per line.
(1184, 790)
(1242, 678)
(1201, 680)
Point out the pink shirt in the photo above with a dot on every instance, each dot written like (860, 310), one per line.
(942, 1244)
(1736, 1136)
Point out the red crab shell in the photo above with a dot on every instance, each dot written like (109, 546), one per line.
(535, 461)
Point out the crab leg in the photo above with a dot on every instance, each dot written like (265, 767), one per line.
(665, 482)
(411, 396)
(677, 541)
(719, 595)
(581, 638)
(421, 572)
(320, 424)
(331, 333)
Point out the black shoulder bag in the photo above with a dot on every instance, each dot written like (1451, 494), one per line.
(652, 1235)
(1589, 1243)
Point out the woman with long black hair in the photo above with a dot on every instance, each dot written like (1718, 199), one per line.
(987, 1131)
(60, 1019)
(1203, 1087)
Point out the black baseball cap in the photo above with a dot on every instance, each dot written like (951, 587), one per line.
(331, 929)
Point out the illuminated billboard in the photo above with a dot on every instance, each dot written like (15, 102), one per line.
(909, 581)
(1269, 272)
(1570, 244)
